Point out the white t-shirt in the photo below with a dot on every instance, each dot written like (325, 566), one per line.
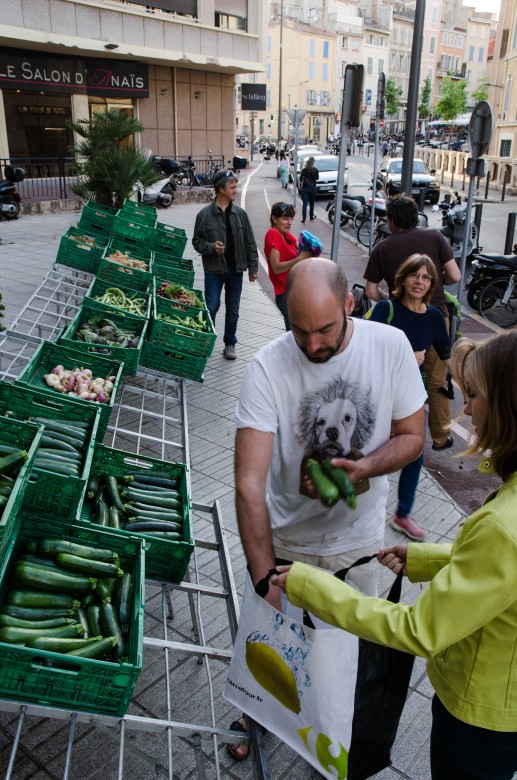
(328, 408)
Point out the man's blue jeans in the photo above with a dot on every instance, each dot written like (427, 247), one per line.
(408, 481)
(231, 280)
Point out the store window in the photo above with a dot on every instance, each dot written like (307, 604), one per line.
(505, 148)
(36, 124)
(98, 105)
(229, 22)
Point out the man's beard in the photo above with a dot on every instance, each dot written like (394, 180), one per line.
(325, 354)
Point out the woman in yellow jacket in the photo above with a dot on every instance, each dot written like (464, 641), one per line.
(465, 621)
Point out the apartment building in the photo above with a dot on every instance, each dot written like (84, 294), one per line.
(503, 93)
(172, 64)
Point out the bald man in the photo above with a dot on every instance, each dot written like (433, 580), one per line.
(333, 387)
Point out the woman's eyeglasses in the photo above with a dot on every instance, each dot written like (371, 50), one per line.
(424, 277)
(282, 208)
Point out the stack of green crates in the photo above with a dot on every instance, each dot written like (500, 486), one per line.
(49, 355)
(81, 251)
(117, 273)
(131, 230)
(46, 491)
(75, 683)
(129, 357)
(139, 212)
(169, 240)
(174, 269)
(165, 559)
(97, 219)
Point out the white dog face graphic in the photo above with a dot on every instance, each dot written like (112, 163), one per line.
(335, 426)
(336, 418)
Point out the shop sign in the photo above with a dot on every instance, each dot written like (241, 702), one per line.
(253, 97)
(72, 75)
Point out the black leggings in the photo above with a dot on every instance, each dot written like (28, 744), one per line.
(463, 752)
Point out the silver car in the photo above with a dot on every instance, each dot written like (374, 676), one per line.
(327, 165)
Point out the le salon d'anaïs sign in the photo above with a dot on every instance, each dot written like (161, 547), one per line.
(57, 73)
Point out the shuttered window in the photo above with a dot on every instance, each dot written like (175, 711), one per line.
(232, 7)
(187, 7)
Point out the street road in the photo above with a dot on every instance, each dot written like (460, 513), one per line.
(260, 189)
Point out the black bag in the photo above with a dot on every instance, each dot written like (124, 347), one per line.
(361, 302)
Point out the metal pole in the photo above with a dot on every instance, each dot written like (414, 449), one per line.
(412, 99)
(463, 261)
(280, 63)
(295, 158)
(505, 178)
(252, 124)
(510, 232)
(379, 114)
(345, 119)
(487, 184)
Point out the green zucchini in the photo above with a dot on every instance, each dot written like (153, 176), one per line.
(114, 517)
(123, 599)
(54, 644)
(93, 487)
(327, 491)
(87, 566)
(46, 579)
(154, 480)
(113, 493)
(13, 461)
(55, 444)
(13, 635)
(40, 600)
(173, 525)
(151, 493)
(62, 427)
(97, 649)
(81, 619)
(151, 500)
(55, 546)
(109, 624)
(342, 480)
(105, 587)
(101, 514)
(138, 510)
(35, 613)
(7, 620)
(55, 468)
(141, 526)
(171, 536)
(92, 616)
(45, 453)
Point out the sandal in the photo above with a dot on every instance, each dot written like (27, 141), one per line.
(237, 725)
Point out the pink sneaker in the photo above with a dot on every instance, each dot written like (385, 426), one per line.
(408, 526)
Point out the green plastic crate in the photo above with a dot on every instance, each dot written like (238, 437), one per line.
(138, 251)
(131, 230)
(165, 560)
(170, 361)
(117, 274)
(49, 354)
(173, 307)
(170, 271)
(128, 356)
(96, 217)
(24, 436)
(169, 239)
(46, 491)
(139, 212)
(181, 337)
(80, 254)
(98, 287)
(73, 683)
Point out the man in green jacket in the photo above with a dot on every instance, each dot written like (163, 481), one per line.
(224, 237)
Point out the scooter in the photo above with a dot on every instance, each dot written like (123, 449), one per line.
(159, 194)
(454, 214)
(351, 205)
(9, 197)
(487, 268)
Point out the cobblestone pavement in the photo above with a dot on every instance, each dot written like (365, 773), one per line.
(27, 251)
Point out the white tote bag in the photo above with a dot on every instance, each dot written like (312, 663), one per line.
(297, 682)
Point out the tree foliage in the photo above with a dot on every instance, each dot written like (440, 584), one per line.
(107, 164)
(393, 93)
(453, 98)
(481, 91)
(424, 107)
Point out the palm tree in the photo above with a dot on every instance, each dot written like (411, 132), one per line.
(107, 168)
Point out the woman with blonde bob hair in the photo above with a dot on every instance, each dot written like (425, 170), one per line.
(424, 325)
(465, 621)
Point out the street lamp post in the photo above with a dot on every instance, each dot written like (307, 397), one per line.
(280, 64)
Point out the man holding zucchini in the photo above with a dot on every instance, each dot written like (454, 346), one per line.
(336, 391)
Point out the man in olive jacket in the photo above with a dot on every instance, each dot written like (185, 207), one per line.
(224, 237)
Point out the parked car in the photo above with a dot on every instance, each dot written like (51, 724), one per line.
(390, 174)
(327, 165)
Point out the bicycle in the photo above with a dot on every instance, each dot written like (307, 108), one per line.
(498, 301)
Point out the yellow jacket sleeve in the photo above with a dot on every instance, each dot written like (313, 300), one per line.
(476, 584)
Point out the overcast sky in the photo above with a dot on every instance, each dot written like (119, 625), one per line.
(484, 5)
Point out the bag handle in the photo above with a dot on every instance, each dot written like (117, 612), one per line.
(262, 587)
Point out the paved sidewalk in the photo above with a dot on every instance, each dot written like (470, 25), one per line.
(35, 240)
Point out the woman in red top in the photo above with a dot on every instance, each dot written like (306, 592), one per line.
(281, 251)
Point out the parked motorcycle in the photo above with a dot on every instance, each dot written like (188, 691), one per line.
(491, 287)
(351, 205)
(159, 194)
(454, 214)
(9, 196)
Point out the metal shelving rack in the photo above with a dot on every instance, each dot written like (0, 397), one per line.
(189, 627)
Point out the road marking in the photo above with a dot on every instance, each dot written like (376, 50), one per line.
(245, 188)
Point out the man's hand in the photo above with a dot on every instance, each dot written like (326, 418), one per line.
(252, 277)
(218, 247)
(394, 558)
(352, 468)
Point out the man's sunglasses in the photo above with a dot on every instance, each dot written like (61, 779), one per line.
(222, 175)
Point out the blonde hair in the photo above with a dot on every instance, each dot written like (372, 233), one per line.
(490, 367)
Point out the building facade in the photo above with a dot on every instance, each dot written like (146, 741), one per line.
(172, 66)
